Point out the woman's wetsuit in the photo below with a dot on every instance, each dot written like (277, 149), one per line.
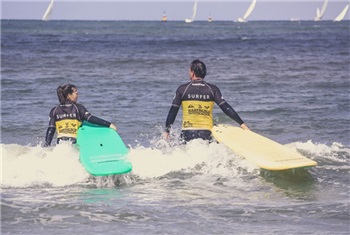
(197, 99)
(66, 119)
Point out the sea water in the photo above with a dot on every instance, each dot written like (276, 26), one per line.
(289, 81)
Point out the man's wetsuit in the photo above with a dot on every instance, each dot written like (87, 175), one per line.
(66, 119)
(197, 99)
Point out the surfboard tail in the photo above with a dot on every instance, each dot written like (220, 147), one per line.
(261, 151)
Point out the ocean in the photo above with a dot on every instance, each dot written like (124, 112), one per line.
(289, 81)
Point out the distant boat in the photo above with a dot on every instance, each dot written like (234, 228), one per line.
(210, 19)
(294, 19)
(164, 19)
(320, 13)
(48, 11)
(194, 12)
(248, 12)
(342, 14)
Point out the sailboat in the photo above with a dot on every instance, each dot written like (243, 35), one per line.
(320, 13)
(341, 16)
(48, 11)
(194, 11)
(248, 12)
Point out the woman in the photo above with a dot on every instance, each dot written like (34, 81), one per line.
(68, 116)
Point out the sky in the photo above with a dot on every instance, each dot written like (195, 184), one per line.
(175, 10)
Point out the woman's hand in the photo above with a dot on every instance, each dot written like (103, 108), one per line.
(113, 127)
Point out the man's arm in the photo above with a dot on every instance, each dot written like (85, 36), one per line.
(171, 117)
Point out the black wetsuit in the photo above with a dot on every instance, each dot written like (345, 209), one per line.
(197, 99)
(66, 119)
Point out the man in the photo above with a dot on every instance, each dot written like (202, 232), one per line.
(197, 99)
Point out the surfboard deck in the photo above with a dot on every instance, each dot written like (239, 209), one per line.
(102, 151)
(261, 151)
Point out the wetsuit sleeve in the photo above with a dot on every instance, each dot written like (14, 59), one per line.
(49, 135)
(225, 107)
(85, 115)
(98, 121)
(174, 109)
(51, 129)
(229, 111)
(171, 118)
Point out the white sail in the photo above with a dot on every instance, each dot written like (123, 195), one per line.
(341, 16)
(320, 13)
(194, 12)
(324, 7)
(248, 12)
(48, 11)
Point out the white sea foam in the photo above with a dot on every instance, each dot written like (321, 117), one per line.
(336, 152)
(212, 159)
(25, 166)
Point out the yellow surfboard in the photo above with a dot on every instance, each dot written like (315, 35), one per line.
(260, 150)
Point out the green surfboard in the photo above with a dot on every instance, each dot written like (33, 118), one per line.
(102, 151)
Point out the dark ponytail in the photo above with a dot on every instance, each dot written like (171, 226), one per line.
(64, 91)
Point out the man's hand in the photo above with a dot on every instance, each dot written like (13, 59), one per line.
(245, 127)
(166, 135)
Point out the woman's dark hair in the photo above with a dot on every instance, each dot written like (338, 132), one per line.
(199, 69)
(64, 91)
